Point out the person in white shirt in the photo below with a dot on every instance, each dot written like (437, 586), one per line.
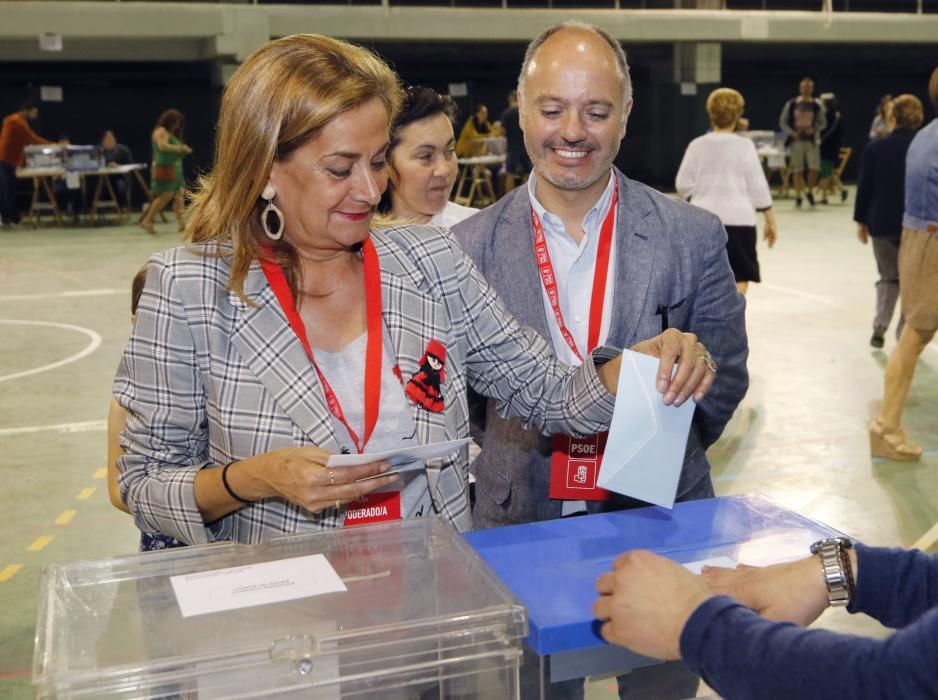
(422, 160)
(722, 174)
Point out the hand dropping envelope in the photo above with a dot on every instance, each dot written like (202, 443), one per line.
(645, 450)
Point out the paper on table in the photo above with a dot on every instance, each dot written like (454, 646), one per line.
(255, 584)
(695, 567)
(645, 450)
(404, 459)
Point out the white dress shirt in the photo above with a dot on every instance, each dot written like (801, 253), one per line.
(574, 265)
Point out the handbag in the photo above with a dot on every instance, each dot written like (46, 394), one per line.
(164, 173)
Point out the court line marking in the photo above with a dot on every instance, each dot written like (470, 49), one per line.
(39, 543)
(803, 295)
(66, 517)
(80, 427)
(86, 493)
(61, 295)
(9, 571)
(90, 348)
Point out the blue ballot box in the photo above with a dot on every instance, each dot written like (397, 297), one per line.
(552, 566)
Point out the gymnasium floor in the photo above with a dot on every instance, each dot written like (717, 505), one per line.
(799, 437)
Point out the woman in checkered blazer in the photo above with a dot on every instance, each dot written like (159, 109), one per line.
(286, 331)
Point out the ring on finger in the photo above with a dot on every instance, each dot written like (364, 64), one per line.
(708, 360)
(332, 480)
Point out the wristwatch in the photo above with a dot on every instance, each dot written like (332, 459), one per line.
(835, 565)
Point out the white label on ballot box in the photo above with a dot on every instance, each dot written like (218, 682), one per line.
(255, 584)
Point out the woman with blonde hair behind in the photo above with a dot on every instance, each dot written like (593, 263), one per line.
(721, 173)
(286, 332)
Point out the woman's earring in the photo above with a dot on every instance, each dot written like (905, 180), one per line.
(271, 212)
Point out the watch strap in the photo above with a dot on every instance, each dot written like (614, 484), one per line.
(836, 569)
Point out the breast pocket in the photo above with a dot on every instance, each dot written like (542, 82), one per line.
(673, 314)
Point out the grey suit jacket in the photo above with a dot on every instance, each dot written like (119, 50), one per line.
(668, 253)
(208, 379)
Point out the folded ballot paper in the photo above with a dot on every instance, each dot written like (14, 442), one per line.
(402, 459)
(645, 450)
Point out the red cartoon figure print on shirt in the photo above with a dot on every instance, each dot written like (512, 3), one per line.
(424, 387)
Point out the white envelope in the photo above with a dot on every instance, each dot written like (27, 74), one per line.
(645, 450)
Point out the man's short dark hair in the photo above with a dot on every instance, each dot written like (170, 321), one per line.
(575, 25)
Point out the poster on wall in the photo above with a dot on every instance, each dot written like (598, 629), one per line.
(50, 41)
(50, 93)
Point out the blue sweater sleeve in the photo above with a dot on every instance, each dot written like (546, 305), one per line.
(742, 655)
(895, 586)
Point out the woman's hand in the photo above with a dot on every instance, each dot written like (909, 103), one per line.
(300, 475)
(696, 370)
(296, 474)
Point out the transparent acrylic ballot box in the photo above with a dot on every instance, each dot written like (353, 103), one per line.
(422, 617)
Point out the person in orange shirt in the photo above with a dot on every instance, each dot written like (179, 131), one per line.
(15, 136)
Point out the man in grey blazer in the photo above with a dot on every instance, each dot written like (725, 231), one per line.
(667, 266)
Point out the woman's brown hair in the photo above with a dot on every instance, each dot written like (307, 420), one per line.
(907, 112)
(933, 90)
(278, 100)
(173, 121)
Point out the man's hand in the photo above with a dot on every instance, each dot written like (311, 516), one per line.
(696, 370)
(645, 602)
(792, 592)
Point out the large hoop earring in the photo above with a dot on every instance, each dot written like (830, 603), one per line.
(271, 211)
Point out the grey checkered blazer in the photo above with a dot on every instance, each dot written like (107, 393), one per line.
(207, 379)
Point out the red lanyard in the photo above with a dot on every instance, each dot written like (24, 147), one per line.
(600, 273)
(374, 349)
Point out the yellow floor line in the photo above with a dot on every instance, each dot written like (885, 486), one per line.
(100, 473)
(66, 517)
(9, 571)
(86, 493)
(39, 543)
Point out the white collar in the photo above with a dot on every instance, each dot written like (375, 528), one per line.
(554, 224)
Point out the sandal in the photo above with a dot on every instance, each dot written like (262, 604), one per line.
(892, 444)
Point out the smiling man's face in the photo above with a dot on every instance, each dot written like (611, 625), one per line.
(572, 110)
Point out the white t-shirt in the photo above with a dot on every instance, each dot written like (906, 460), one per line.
(452, 214)
(721, 173)
(345, 372)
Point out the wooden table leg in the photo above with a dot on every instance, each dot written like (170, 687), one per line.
(93, 214)
(117, 204)
(50, 193)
